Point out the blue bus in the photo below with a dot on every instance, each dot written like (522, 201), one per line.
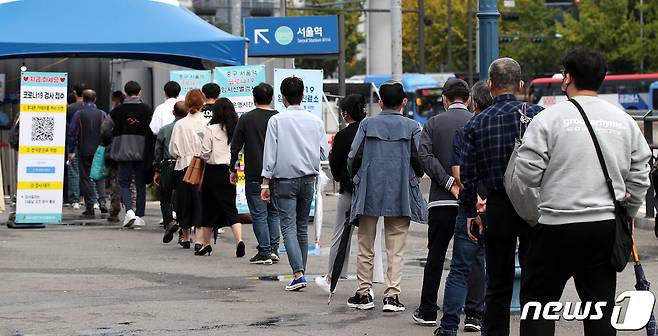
(424, 94)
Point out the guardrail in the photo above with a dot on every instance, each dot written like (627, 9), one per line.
(648, 119)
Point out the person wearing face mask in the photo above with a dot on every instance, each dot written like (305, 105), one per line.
(435, 152)
(577, 215)
(489, 140)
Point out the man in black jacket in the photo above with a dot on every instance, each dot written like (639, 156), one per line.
(85, 136)
(250, 135)
(131, 130)
(436, 152)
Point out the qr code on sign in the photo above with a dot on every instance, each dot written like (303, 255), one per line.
(43, 128)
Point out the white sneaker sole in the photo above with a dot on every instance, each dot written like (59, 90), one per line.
(296, 287)
(393, 309)
(366, 306)
(261, 262)
(423, 322)
(472, 328)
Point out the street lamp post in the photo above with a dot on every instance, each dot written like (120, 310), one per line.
(488, 21)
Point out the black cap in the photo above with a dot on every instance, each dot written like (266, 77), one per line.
(455, 85)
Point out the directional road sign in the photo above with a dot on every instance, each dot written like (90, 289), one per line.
(292, 35)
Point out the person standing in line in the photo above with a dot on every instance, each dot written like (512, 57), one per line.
(576, 209)
(131, 120)
(85, 137)
(117, 98)
(489, 140)
(212, 92)
(295, 145)
(465, 285)
(250, 136)
(385, 169)
(435, 152)
(185, 144)
(163, 114)
(352, 109)
(218, 191)
(73, 168)
(164, 173)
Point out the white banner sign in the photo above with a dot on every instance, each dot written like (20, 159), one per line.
(313, 93)
(41, 147)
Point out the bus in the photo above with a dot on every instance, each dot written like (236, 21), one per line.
(424, 94)
(629, 92)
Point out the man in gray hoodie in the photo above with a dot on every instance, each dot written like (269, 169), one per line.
(576, 225)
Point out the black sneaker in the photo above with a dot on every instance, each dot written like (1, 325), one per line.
(363, 302)
(260, 260)
(443, 332)
(239, 250)
(89, 213)
(419, 318)
(169, 233)
(392, 304)
(103, 209)
(472, 323)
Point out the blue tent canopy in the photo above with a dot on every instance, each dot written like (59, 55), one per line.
(156, 30)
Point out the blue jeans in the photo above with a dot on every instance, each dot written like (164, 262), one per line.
(265, 220)
(126, 171)
(466, 255)
(292, 198)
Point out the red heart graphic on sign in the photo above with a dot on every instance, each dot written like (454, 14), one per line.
(26, 78)
(62, 79)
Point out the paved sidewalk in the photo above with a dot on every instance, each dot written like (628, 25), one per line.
(103, 280)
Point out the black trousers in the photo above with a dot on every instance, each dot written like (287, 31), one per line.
(439, 233)
(504, 227)
(189, 209)
(560, 252)
(86, 184)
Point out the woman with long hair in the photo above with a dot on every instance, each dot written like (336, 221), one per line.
(218, 193)
(185, 144)
(352, 109)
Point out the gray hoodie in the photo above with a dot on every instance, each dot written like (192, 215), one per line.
(558, 156)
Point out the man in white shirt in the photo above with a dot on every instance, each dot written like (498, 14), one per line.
(163, 114)
(295, 143)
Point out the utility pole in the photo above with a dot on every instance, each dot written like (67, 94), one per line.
(449, 44)
(488, 24)
(236, 17)
(642, 32)
(421, 36)
(396, 39)
(470, 41)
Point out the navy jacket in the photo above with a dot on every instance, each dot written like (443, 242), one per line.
(85, 130)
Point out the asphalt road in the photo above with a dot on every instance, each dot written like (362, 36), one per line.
(102, 280)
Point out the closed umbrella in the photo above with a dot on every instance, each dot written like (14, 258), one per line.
(642, 284)
(337, 267)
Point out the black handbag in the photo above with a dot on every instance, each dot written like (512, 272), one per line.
(623, 242)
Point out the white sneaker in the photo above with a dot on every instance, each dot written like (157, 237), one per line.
(96, 206)
(173, 215)
(139, 221)
(322, 282)
(220, 231)
(76, 205)
(129, 219)
(372, 293)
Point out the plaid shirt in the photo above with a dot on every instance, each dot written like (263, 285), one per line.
(488, 144)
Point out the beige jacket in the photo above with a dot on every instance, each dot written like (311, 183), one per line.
(186, 139)
(216, 149)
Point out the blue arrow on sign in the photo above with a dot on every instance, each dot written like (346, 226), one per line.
(292, 35)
